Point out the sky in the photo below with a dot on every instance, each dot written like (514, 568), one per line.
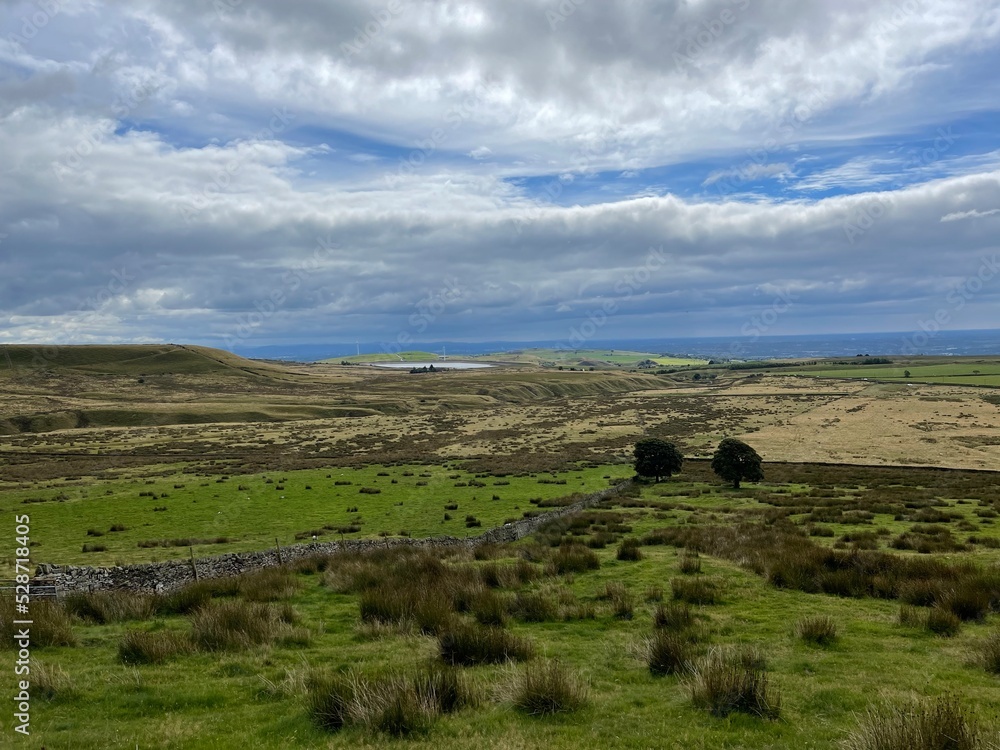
(252, 172)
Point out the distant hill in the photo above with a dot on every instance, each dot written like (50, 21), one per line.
(127, 359)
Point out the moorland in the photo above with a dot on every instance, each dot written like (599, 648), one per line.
(852, 592)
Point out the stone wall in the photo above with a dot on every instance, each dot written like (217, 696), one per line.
(164, 576)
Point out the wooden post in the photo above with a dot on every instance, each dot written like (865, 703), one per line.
(277, 548)
(194, 568)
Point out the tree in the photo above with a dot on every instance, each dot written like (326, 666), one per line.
(657, 458)
(735, 461)
(906, 373)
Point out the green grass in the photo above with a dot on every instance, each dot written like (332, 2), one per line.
(204, 508)
(409, 356)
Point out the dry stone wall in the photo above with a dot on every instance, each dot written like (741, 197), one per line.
(164, 576)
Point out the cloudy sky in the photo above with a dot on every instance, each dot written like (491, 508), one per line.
(250, 172)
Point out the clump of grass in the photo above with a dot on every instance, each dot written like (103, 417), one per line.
(690, 562)
(729, 681)
(468, 645)
(911, 617)
(51, 682)
(546, 688)
(930, 724)
(104, 607)
(943, 622)
(574, 558)
(668, 652)
(268, 585)
(533, 606)
(629, 550)
(141, 647)
(489, 609)
(698, 590)
(989, 652)
(675, 616)
(653, 594)
(233, 625)
(393, 704)
(51, 624)
(820, 630)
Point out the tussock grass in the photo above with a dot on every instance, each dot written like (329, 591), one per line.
(629, 550)
(669, 652)
(51, 624)
(104, 607)
(690, 562)
(546, 687)
(50, 682)
(468, 645)
(237, 625)
(697, 590)
(574, 558)
(728, 681)
(141, 647)
(988, 652)
(820, 630)
(675, 616)
(928, 724)
(943, 622)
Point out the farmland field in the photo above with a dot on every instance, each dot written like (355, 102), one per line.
(875, 525)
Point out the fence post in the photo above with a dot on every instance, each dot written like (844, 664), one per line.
(277, 548)
(194, 567)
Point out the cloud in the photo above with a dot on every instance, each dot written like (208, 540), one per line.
(972, 214)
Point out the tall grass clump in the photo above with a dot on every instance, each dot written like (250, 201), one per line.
(943, 622)
(698, 590)
(268, 585)
(820, 630)
(235, 625)
(533, 606)
(395, 704)
(546, 688)
(574, 558)
(668, 652)
(50, 624)
(988, 652)
(629, 550)
(690, 562)
(929, 724)
(468, 645)
(141, 647)
(51, 682)
(104, 607)
(674, 616)
(728, 681)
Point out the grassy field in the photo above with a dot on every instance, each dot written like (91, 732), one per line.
(158, 519)
(408, 356)
(587, 358)
(596, 622)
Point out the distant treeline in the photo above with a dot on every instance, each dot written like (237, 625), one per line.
(859, 360)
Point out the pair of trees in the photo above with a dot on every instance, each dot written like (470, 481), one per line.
(734, 460)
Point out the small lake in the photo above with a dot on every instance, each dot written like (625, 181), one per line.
(439, 365)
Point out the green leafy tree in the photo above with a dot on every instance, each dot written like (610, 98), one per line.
(735, 461)
(657, 458)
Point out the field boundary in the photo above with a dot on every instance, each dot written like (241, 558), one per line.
(165, 576)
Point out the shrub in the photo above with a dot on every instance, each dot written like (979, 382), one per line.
(820, 630)
(548, 688)
(668, 653)
(141, 647)
(943, 622)
(468, 645)
(629, 550)
(728, 681)
(673, 616)
(929, 724)
(695, 590)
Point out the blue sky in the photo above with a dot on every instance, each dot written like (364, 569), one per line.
(255, 172)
